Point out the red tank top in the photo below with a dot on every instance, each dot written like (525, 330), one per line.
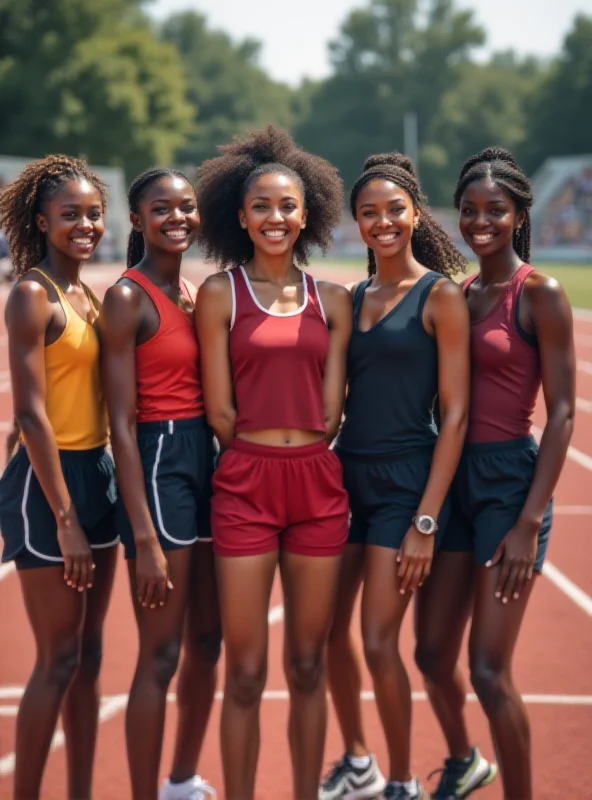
(505, 369)
(167, 365)
(278, 360)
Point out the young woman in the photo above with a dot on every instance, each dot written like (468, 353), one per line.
(521, 336)
(274, 347)
(408, 363)
(163, 451)
(57, 494)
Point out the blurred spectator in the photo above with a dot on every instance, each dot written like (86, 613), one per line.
(568, 217)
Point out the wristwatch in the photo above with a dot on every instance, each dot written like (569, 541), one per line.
(425, 524)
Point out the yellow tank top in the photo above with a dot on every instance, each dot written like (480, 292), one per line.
(74, 401)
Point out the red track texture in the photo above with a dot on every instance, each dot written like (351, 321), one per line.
(553, 666)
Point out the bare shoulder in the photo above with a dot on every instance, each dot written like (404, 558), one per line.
(334, 293)
(28, 302)
(446, 293)
(216, 286)
(544, 291)
(123, 297)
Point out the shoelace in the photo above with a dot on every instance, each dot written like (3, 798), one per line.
(451, 773)
(335, 774)
(204, 790)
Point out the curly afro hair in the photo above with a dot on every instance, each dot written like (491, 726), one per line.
(24, 198)
(430, 243)
(498, 165)
(222, 183)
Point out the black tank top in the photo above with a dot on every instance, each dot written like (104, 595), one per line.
(392, 372)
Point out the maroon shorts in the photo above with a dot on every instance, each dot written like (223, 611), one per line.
(267, 497)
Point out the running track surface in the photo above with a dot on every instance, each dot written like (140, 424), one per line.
(553, 665)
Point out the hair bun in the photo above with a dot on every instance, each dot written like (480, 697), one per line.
(398, 160)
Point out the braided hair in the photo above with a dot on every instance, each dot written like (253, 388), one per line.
(499, 166)
(136, 191)
(430, 243)
(223, 182)
(25, 197)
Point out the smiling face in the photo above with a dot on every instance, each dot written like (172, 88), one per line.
(72, 220)
(488, 218)
(167, 215)
(386, 217)
(273, 213)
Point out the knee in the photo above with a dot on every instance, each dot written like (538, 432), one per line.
(163, 663)
(305, 672)
(489, 681)
(432, 662)
(246, 681)
(377, 653)
(205, 649)
(60, 667)
(91, 657)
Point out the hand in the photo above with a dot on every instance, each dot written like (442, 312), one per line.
(517, 553)
(76, 552)
(152, 571)
(415, 559)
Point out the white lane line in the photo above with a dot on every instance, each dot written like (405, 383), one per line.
(6, 570)
(568, 587)
(575, 511)
(584, 405)
(110, 707)
(584, 366)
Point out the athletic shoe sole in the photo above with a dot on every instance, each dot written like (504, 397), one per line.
(485, 781)
(369, 792)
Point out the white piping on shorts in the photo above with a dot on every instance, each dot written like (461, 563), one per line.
(233, 292)
(160, 521)
(318, 294)
(27, 527)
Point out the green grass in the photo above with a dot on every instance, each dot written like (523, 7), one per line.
(576, 279)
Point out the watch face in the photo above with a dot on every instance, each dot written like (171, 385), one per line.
(425, 524)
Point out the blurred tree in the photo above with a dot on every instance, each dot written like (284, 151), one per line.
(487, 105)
(226, 88)
(89, 79)
(392, 57)
(561, 114)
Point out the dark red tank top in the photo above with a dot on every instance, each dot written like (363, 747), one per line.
(167, 365)
(505, 369)
(278, 360)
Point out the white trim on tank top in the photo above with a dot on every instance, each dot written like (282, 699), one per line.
(233, 292)
(315, 282)
(274, 313)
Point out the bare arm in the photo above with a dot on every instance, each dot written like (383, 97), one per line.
(28, 315)
(119, 323)
(337, 302)
(552, 320)
(213, 311)
(450, 319)
(447, 312)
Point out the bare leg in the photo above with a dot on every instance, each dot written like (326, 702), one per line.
(310, 589)
(56, 613)
(80, 710)
(343, 660)
(442, 609)
(383, 610)
(244, 585)
(160, 632)
(198, 674)
(494, 633)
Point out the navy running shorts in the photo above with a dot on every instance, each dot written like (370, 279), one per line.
(384, 495)
(177, 460)
(28, 524)
(488, 493)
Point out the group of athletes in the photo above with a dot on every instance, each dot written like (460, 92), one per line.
(376, 436)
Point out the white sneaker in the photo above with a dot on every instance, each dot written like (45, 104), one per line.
(192, 789)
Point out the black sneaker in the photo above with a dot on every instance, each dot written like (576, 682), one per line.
(398, 791)
(346, 782)
(461, 778)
